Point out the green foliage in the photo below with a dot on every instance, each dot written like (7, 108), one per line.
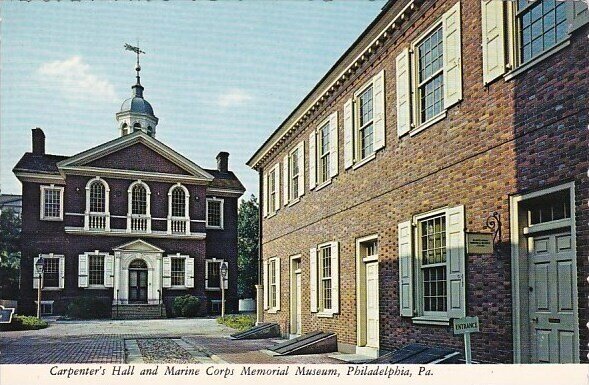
(10, 227)
(23, 322)
(238, 321)
(247, 247)
(89, 308)
(186, 306)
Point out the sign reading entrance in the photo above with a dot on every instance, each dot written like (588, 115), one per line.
(6, 314)
(465, 326)
(479, 243)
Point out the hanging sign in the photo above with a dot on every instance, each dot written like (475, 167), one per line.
(479, 243)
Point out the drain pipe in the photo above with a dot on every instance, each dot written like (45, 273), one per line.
(260, 285)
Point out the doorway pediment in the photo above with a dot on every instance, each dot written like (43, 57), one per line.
(139, 245)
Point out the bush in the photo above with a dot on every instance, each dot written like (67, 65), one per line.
(24, 322)
(89, 308)
(238, 321)
(186, 306)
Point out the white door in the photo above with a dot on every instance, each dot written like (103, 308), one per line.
(553, 333)
(372, 304)
(299, 306)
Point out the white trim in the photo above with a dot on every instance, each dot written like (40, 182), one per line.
(184, 257)
(225, 192)
(221, 208)
(106, 212)
(361, 290)
(125, 233)
(60, 272)
(186, 217)
(43, 188)
(129, 174)
(277, 284)
(208, 261)
(293, 291)
(130, 215)
(540, 58)
(39, 178)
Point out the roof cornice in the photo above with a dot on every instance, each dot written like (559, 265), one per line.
(371, 40)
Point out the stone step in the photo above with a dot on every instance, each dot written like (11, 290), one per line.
(134, 311)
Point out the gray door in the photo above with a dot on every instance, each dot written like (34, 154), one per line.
(137, 286)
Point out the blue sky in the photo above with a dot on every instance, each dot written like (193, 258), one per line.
(221, 76)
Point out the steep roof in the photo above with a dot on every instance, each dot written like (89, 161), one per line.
(40, 163)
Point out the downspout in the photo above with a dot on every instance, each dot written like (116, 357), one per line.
(259, 286)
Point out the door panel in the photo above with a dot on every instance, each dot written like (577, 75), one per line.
(298, 301)
(137, 285)
(372, 305)
(552, 302)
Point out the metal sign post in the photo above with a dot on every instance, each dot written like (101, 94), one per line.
(466, 326)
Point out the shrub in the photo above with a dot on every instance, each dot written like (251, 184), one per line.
(238, 321)
(186, 306)
(88, 308)
(24, 322)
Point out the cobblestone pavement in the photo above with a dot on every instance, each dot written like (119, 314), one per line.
(153, 341)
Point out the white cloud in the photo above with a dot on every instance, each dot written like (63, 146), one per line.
(233, 97)
(75, 79)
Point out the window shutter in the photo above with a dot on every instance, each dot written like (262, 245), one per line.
(35, 275)
(301, 161)
(167, 271)
(285, 179)
(334, 277)
(456, 262)
(226, 279)
(277, 186)
(405, 237)
(493, 40)
(82, 270)
(109, 270)
(452, 56)
(266, 284)
(62, 272)
(188, 272)
(312, 160)
(403, 92)
(379, 110)
(277, 275)
(265, 195)
(333, 145)
(578, 15)
(313, 278)
(348, 134)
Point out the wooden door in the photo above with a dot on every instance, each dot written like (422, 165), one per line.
(138, 286)
(553, 333)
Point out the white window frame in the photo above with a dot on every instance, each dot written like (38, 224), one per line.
(45, 188)
(106, 213)
(60, 272)
(273, 287)
(320, 156)
(103, 256)
(321, 279)
(147, 215)
(221, 208)
(316, 278)
(215, 288)
(358, 159)
(272, 195)
(293, 179)
(171, 220)
(180, 257)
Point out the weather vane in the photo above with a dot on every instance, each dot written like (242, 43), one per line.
(138, 51)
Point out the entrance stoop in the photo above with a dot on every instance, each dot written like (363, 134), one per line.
(138, 311)
(310, 343)
(265, 330)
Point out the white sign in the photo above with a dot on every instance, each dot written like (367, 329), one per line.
(466, 325)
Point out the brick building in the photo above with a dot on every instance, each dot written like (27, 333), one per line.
(444, 118)
(131, 222)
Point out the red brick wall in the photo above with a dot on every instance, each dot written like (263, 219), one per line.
(511, 137)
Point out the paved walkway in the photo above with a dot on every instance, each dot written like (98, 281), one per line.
(148, 341)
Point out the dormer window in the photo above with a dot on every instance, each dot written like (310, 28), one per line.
(138, 217)
(178, 213)
(97, 216)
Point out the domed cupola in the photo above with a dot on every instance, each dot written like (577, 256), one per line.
(136, 113)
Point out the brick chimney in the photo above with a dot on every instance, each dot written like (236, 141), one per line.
(38, 141)
(223, 161)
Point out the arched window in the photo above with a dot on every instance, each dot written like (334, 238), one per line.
(139, 200)
(124, 128)
(97, 215)
(97, 197)
(149, 130)
(178, 202)
(137, 127)
(178, 213)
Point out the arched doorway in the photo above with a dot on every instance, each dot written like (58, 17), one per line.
(138, 281)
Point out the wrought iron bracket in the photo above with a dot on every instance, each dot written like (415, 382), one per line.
(493, 222)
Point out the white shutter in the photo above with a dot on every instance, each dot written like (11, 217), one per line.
(109, 270)
(455, 262)
(301, 164)
(188, 272)
(312, 160)
(405, 238)
(577, 14)
(167, 271)
(403, 81)
(285, 179)
(265, 195)
(379, 110)
(452, 56)
(334, 277)
(36, 276)
(62, 272)
(493, 37)
(266, 284)
(277, 275)
(277, 186)
(348, 134)
(82, 270)
(313, 278)
(333, 145)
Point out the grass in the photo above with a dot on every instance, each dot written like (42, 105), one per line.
(238, 321)
(23, 322)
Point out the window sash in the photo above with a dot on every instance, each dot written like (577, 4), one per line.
(324, 153)
(96, 269)
(50, 272)
(272, 282)
(139, 200)
(214, 214)
(52, 203)
(433, 278)
(430, 75)
(97, 198)
(325, 279)
(294, 171)
(272, 192)
(177, 271)
(178, 202)
(214, 274)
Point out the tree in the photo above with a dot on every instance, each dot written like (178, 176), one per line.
(10, 227)
(247, 247)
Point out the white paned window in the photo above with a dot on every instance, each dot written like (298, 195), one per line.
(178, 271)
(365, 123)
(542, 24)
(213, 275)
(139, 209)
(272, 191)
(272, 284)
(53, 271)
(139, 200)
(324, 277)
(178, 202)
(97, 216)
(215, 213)
(323, 154)
(293, 166)
(51, 203)
(178, 210)
(430, 56)
(96, 270)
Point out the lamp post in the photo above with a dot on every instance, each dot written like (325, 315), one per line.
(223, 269)
(39, 268)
